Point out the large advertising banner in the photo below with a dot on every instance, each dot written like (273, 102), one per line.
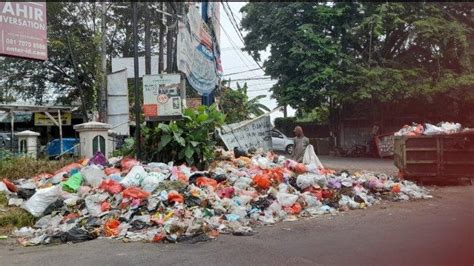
(248, 134)
(162, 96)
(196, 53)
(23, 30)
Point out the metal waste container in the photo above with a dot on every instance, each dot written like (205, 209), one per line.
(438, 158)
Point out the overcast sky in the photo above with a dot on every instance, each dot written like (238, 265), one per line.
(235, 60)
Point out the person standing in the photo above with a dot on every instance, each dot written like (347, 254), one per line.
(301, 142)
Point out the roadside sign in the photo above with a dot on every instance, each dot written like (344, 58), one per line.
(162, 97)
(43, 120)
(248, 134)
(23, 30)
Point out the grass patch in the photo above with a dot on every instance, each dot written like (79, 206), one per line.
(11, 217)
(24, 167)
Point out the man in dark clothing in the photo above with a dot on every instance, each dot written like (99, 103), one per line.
(301, 142)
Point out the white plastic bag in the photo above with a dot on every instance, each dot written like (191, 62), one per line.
(93, 175)
(93, 204)
(305, 180)
(433, 130)
(310, 157)
(286, 199)
(38, 203)
(151, 181)
(134, 177)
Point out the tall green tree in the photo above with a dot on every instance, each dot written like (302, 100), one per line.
(328, 54)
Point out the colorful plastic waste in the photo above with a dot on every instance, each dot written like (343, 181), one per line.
(158, 202)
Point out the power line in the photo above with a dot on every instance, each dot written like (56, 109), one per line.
(242, 71)
(258, 78)
(236, 28)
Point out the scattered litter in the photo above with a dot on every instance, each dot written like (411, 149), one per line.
(159, 202)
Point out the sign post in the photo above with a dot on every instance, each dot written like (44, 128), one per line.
(23, 30)
(162, 97)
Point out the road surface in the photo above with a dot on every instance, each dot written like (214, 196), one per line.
(439, 231)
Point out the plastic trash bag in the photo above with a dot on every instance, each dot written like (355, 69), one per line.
(98, 159)
(174, 196)
(310, 157)
(134, 177)
(433, 130)
(135, 193)
(305, 180)
(38, 203)
(68, 168)
(205, 181)
(11, 187)
(262, 181)
(111, 170)
(111, 186)
(94, 204)
(286, 199)
(73, 182)
(128, 163)
(93, 175)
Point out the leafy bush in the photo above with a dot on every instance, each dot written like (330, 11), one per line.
(189, 140)
(127, 149)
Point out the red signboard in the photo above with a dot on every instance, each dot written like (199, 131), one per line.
(23, 30)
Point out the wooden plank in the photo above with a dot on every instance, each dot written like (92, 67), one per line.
(420, 149)
(421, 162)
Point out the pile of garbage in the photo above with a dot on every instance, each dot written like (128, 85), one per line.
(428, 129)
(124, 199)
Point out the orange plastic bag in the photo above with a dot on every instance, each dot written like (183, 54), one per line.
(111, 170)
(158, 237)
(135, 193)
(111, 186)
(262, 181)
(205, 181)
(276, 174)
(111, 227)
(9, 185)
(127, 163)
(300, 168)
(293, 209)
(68, 168)
(396, 188)
(174, 196)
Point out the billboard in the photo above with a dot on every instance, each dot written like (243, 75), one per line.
(43, 120)
(23, 30)
(117, 102)
(162, 96)
(248, 134)
(119, 63)
(197, 55)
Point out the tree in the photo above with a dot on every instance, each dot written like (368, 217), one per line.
(329, 54)
(235, 104)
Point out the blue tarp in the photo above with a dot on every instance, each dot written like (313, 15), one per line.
(54, 147)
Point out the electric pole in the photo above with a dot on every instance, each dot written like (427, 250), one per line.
(137, 89)
(103, 87)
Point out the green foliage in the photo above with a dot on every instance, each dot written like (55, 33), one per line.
(235, 104)
(352, 52)
(189, 140)
(127, 149)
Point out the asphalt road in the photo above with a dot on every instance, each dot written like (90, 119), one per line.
(439, 231)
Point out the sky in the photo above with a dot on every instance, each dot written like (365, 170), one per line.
(235, 60)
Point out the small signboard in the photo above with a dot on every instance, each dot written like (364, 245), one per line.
(162, 98)
(43, 120)
(248, 134)
(23, 30)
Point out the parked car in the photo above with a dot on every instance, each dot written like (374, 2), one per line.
(280, 142)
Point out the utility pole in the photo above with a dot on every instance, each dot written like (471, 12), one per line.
(103, 87)
(137, 89)
(147, 41)
(169, 41)
(161, 40)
